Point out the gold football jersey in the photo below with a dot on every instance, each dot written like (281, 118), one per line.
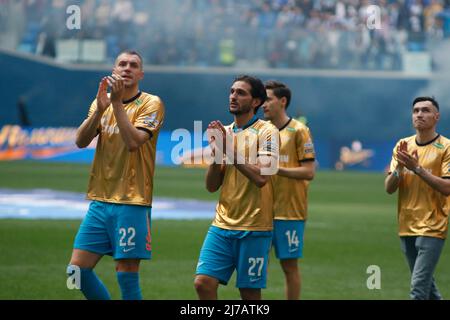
(242, 205)
(118, 175)
(291, 195)
(423, 211)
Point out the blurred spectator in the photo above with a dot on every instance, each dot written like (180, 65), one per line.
(276, 33)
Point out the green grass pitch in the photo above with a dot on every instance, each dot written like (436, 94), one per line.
(352, 225)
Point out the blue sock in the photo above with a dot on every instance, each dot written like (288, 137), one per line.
(129, 285)
(92, 287)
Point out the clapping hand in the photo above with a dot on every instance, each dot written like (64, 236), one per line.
(405, 159)
(220, 140)
(117, 87)
(103, 101)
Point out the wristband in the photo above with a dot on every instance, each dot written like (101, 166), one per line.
(396, 173)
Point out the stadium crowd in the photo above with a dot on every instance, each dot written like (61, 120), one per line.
(333, 34)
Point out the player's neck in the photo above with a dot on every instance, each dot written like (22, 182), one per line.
(130, 93)
(242, 119)
(424, 136)
(280, 121)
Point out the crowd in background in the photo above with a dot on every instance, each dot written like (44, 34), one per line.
(336, 34)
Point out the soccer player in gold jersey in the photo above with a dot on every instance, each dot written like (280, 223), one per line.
(241, 232)
(420, 170)
(127, 122)
(296, 169)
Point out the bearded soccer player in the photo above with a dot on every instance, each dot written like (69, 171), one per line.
(420, 170)
(296, 169)
(241, 232)
(127, 122)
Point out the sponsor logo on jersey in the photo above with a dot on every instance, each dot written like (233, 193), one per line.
(429, 156)
(267, 146)
(438, 145)
(309, 147)
(151, 120)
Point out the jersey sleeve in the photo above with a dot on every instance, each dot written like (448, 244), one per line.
(92, 108)
(305, 145)
(151, 116)
(394, 161)
(269, 142)
(446, 164)
(91, 111)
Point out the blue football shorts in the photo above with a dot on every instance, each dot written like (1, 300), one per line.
(118, 230)
(288, 238)
(223, 251)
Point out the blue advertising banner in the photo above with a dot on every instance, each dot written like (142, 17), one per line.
(361, 155)
(179, 147)
(35, 143)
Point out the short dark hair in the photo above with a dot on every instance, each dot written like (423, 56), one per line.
(431, 99)
(257, 88)
(134, 53)
(280, 90)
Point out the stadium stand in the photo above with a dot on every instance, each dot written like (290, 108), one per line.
(318, 34)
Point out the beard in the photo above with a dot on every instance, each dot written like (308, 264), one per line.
(242, 110)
